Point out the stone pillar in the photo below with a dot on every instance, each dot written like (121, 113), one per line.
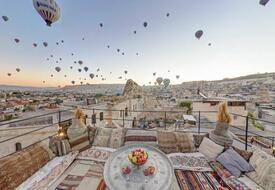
(109, 116)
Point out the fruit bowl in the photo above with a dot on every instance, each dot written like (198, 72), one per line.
(138, 156)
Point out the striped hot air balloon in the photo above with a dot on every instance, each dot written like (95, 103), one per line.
(48, 10)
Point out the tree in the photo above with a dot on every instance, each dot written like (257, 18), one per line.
(187, 105)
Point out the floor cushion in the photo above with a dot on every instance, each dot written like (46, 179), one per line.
(244, 153)
(185, 142)
(91, 133)
(264, 165)
(249, 183)
(198, 139)
(190, 161)
(117, 138)
(102, 137)
(63, 147)
(18, 167)
(80, 142)
(234, 162)
(140, 136)
(226, 178)
(210, 149)
(44, 171)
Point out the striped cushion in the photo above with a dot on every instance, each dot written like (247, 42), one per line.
(185, 142)
(63, 147)
(264, 166)
(80, 143)
(92, 132)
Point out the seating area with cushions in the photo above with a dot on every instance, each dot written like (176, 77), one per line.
(195, 158)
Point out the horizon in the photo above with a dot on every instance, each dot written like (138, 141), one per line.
(241, 41)
(225, 78)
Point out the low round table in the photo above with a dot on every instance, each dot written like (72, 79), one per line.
(116, 180)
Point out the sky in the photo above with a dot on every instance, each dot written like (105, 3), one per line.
(242, 34)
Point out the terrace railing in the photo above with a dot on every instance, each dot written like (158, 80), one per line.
(244, 130)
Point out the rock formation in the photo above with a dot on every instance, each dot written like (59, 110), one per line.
(132, 89)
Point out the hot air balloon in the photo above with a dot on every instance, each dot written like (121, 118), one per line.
(135, 32)
(96, 76)
(120, 77)
(72, 54)
(86, 69)
(80, 62)
(16, 40)
(5, 18)
(83, 39)
(145, 24)
(209, 44)
(56, 61)
(166, 82)
(34, 44)
(101, 24)
(48, 10)
(51, 55)
(43, 81)
(74, 61)
(122, 53)
(177, 76)
(57, 43)
(92, 75)
(154, 74)
(18, 70)
(48, 59)
(159, 80)
(108, 46)
(9, 74)
(79, 70)
(118, 50)
(81, 82)
(263, 2)
(199, 34)
(149, 82)
(71, 67)
(62, 41)
(51, 75)
(137, 54)
(98, 70)
(110, 73)
(125, 72)
(168, 14)
(73, 82)
(45, 44)
(168, 71)
(65, 76)
(58, 69)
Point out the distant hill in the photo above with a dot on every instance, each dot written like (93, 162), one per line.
(25, 88)
(111, 89)
(246, 77)
(252, 76)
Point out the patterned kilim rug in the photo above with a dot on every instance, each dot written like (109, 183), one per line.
(70, 182)
(83, 175)
(190, 180)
